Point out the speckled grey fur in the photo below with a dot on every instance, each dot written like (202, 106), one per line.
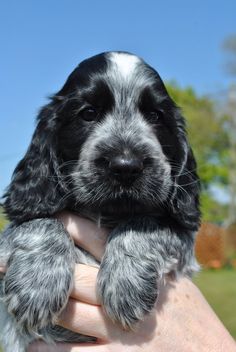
(152, 222)
(38, 282)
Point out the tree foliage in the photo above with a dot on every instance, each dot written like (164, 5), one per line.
(229, 47)
(3, 220)
(209, 140)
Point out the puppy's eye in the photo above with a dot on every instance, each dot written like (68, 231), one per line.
(153, 115)
(89, 114)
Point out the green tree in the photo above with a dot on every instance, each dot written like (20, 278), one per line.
(209, 141)
(3, 219)
(229, 48)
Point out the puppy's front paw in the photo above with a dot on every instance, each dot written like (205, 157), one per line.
(127, 292)
(35, 291)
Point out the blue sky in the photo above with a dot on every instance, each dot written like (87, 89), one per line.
(42, 41)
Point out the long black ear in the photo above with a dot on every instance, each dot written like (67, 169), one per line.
(185, 199)
(36, 188)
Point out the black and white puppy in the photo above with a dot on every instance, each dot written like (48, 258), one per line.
(111, 146)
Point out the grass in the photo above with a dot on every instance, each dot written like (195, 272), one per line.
(219, 288)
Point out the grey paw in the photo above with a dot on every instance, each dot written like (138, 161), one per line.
(39, 277)
(127, 293)
(35, 296)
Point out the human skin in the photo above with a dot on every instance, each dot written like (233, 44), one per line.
(182, 320)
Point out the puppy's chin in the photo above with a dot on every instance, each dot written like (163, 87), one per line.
(118, 202)
(122, 208)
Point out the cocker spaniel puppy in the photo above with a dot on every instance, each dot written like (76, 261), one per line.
(110, 146)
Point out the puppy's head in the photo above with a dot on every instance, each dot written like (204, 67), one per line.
(111, 141)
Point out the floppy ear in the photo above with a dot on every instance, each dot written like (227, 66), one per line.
(36, 188)
(185, 199)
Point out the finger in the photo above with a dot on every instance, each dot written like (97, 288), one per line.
(84, 288)
(64, 347)
(84, 319)
(85, 233)
(2, 268)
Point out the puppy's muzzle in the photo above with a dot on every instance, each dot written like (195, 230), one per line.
(122, 168)
(125, 169)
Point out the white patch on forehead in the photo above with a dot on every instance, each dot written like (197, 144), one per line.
(124, 63)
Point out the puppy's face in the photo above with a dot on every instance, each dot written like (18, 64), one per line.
(110, 141)
(120, 134)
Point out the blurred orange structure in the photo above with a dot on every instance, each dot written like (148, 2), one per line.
(231, 237)
(210, 246)
(230, 241)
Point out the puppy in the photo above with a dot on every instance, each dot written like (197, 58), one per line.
(111, 146)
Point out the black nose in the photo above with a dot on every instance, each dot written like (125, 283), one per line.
(125, 169)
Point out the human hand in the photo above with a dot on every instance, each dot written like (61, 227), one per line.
(180, 322)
